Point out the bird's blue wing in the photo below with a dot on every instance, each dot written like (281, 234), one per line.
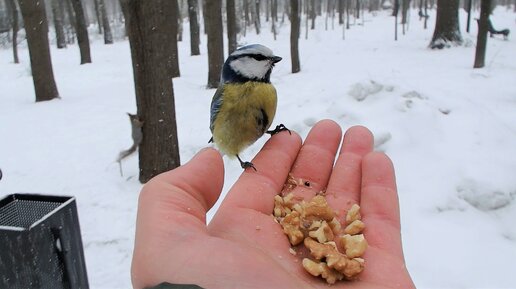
(216, 104)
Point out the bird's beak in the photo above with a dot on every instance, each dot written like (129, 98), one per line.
(276, 59)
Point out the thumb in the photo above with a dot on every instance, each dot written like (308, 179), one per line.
(194, 186)
(171, 206)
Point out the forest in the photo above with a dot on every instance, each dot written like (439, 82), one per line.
(432, 79)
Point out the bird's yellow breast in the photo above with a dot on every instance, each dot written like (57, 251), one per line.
(237, 124)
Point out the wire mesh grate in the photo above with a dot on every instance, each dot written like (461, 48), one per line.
(23, 213)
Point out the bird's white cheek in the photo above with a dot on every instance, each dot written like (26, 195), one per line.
(250, 68)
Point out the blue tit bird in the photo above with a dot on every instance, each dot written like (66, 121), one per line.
(244, 105)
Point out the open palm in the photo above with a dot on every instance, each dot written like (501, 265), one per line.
(243, 247)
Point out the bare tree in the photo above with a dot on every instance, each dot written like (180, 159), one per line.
(82, 31)
(405, 5)
(70, 31)
(151, 38)
(36, 29)
(313, 14)
(468, 4)
(480, 52)
(13, 10)
(58, 24)
(193, 7)
(174, 65)
(215, 42)
(231, 23)
(98, 17)
(255, 14)
(274, 17)
(340, 8)
(446, 25)
(247, 20)
(180, 21)
(108, 35)
(294, 35)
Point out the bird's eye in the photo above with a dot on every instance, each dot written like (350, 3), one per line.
(259, 57)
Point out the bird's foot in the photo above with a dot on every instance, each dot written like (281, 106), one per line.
(246, 165)
(279, 128)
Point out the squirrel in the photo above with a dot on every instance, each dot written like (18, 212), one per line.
(136, 134)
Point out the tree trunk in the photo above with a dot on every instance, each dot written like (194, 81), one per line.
(70, 31)
(469, 3)
(36, 29)
(274, 10)
(231, 19)
(313, 14)
(205, 16)
(257, 19)
(215, 42)
(267, 7)
(82, 32)
(108, 35)
(179, 21)
(97, 15)
(294, 35)
(151, 37)
(347, 13)
(246, 15)
(405, 5)
(13, 10)
(194, 27)
(426, 13)
(174, 65)
(58, 24)
(396, 8)
(255, 14)
(340, 7)
(480, 52)
(446, 25)
(274, 17)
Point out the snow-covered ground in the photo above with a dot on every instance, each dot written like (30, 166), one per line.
(450, 130)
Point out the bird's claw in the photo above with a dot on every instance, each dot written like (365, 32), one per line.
(279, 128)
(246, 165)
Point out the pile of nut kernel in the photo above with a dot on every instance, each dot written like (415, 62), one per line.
(335, 251)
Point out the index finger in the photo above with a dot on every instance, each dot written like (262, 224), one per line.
(256, 189)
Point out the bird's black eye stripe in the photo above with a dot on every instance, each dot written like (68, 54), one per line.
(258, 57)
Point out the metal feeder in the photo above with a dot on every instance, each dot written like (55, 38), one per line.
(40, 243)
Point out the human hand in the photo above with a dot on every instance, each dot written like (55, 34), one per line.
(243, 247)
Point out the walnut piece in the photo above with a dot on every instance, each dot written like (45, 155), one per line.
(355, 245)
(356, 227)
(334, 259)
(321, 269)
(291, 226)
(353, 214)
(353, 268)
(318, 208)
(323, 234)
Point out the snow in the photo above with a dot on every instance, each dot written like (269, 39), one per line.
(450, 130)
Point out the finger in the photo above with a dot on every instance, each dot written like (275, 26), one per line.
(346, 179)
(314, 163)
(379, 203)
(171, 210)
(192, 188)
(256, 189)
